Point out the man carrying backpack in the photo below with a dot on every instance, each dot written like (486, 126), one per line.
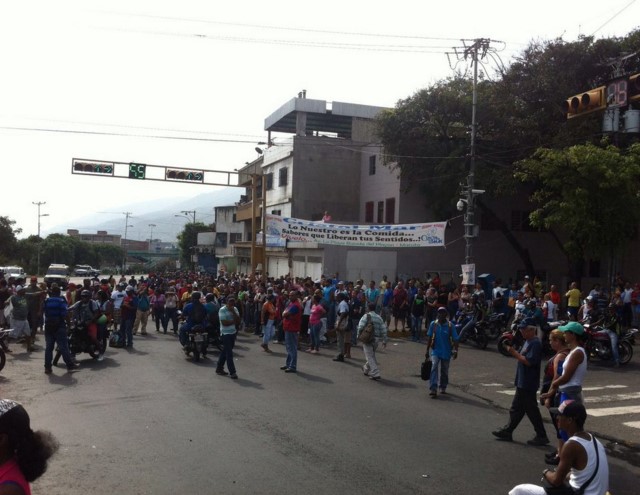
(194, 314)
(370, 367)
(442, 340)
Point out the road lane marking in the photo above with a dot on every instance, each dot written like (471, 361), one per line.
(604, 386)
(633, 424)
(613, 411)
(612, 398)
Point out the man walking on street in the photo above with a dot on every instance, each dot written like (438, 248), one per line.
(370, 367)
(291, 321)
(527, 383)
(442, 337)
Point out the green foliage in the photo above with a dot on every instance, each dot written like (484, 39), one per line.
(8, 240)
(427, 138)
(588, 191)
(188, 238)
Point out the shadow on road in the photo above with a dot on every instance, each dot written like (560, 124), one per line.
(313, 378)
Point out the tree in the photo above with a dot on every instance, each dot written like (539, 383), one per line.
(188, 238)
(8, 240)
(588, 192)
(519, 111)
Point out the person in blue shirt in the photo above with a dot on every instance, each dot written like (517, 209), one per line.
(55, 329)
(442, 340)
(527, 382)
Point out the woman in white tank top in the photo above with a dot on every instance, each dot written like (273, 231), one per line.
(574, 369)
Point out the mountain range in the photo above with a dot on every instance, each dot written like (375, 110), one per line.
(166, 216)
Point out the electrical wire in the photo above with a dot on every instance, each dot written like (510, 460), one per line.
(280, 28)
(307, 44)
(614, 16)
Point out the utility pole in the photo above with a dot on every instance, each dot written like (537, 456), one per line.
(187, 212)
(127, 214)
(152, 225)
(476, 52)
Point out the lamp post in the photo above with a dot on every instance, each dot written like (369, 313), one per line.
(40, 215)
(151, 225)
(186, 214)
(467, 203)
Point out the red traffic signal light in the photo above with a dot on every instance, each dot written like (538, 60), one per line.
(92, 168)
(184, 175)
(584, 103)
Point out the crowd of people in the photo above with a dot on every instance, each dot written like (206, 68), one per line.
(308, 315)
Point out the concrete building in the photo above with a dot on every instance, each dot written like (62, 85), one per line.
(332, 161)
(101, 236)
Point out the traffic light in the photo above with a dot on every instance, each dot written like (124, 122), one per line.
(184, 175)
(634, 88)
(137, 170)
(92, 168)
(584, 103)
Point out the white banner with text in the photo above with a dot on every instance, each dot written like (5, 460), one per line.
(392, 236)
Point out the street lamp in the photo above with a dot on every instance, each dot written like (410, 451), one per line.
(40, 215)
(152, 225)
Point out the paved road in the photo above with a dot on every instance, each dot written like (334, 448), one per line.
(151, 421)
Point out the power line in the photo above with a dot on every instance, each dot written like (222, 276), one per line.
(614, 16)
(124, 134)
(279, 28)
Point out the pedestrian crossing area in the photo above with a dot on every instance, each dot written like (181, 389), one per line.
(602, 401)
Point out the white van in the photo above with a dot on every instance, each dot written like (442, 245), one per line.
(14, 271)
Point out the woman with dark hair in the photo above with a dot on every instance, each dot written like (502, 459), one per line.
(23, 452)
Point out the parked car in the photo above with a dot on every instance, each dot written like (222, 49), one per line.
(85, 271)
(59, 274)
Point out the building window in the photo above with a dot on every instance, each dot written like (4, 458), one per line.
(235, 237)
(390, 215)
(380, 217)
(282, 176)
(221, 240)
(368, 212)
(520, 221)
(372, 165)
(269, 181)
(276, 212)
(233, 218)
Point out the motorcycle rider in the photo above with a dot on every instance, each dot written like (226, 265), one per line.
(87, 311)
(611, 325)
(478, 309)
(194, 313)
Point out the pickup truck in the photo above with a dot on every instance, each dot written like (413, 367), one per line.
(85, 271)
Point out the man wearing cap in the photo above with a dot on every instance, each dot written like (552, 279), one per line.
(442, 338)
(527, 383)
(583, 458)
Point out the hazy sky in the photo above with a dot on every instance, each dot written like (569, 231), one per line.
(189, 83)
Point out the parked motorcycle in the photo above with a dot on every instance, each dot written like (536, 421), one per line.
(79, 342)
(513, 337)
(476, 332)
(598, 344)
(197, 342)
(494, 325)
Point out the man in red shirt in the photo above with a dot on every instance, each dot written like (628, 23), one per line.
(291, 322)
(555, 295)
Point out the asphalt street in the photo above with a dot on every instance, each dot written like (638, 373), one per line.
(149, 420)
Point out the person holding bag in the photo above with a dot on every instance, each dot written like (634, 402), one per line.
(442, 340)
(369, 345)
